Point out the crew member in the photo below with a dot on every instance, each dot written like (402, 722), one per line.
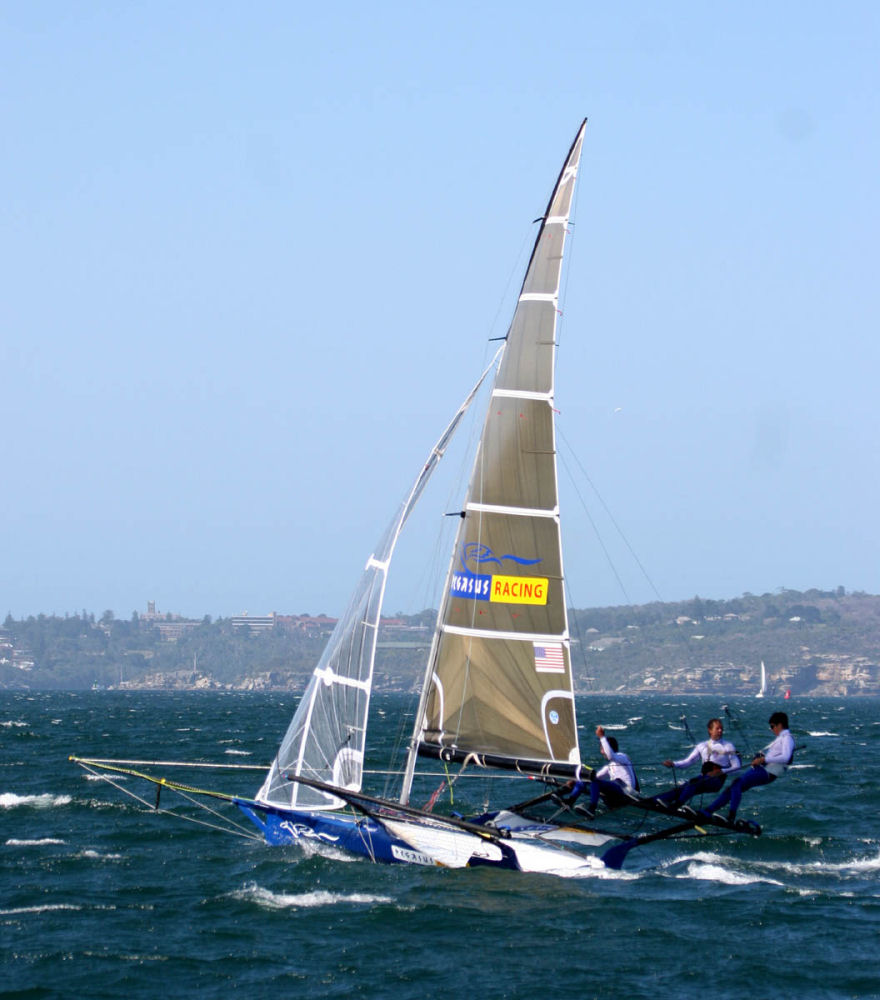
(766, 767)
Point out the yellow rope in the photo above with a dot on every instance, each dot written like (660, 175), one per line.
(229, 826)
(164, 782)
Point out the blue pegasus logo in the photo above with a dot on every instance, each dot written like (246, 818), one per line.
(474, 585)
(478, 553)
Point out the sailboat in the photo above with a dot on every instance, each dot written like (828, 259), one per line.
(498, 690)
(498, 693)
(763, 688)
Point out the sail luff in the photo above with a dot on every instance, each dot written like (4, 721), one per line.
(499, 681)
(572, 161)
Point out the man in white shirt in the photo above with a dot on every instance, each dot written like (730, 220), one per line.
(766, 767)
(718, 758)
(612, 781)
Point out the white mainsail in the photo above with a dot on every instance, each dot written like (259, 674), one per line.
(763, 689)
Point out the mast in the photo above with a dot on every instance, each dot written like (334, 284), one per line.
(498, 682)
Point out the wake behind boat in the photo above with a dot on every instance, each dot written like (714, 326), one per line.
(498, 694)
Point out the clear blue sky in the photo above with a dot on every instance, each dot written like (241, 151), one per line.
(252, 254)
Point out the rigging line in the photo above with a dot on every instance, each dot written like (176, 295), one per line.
(610, 515)
(570, 244)
(174, 785)
(516, 270)
(595, 527)
(582, 649)
(687, 729)
(231, 827)
(740, 729)
(690, 736)
(173, 763)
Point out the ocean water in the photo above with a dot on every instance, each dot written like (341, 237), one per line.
(102, 897)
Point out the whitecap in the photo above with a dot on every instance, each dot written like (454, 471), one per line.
(305, 900)
(46, 907)
(238, 753)
(14, 842)
(821, 733)
(711, 872)
(13, 724)
(9, 800)
(855, 865)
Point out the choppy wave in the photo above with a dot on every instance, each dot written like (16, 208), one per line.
(306, 900)
(816, 866)
(871, 864)
(715, 871)
(9, 800)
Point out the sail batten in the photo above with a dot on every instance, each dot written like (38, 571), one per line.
(513, 511)
(507, 636)
(499, 393)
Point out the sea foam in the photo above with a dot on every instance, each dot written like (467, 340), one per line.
(711, 872)
(305, 900)
(9, 800)
(15, 842)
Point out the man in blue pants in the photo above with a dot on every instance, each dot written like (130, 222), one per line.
(613, 781)
(718, 758)
(766, 767)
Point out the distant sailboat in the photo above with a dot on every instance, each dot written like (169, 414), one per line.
(763, 689)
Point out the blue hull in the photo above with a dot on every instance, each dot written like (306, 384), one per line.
(361, 836)
(364, 836)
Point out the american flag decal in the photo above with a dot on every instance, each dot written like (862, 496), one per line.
(549, 658)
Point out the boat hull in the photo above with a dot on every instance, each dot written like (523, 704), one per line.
(400, 840)
(360, 836)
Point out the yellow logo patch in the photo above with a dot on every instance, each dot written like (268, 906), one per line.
(518, 590)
